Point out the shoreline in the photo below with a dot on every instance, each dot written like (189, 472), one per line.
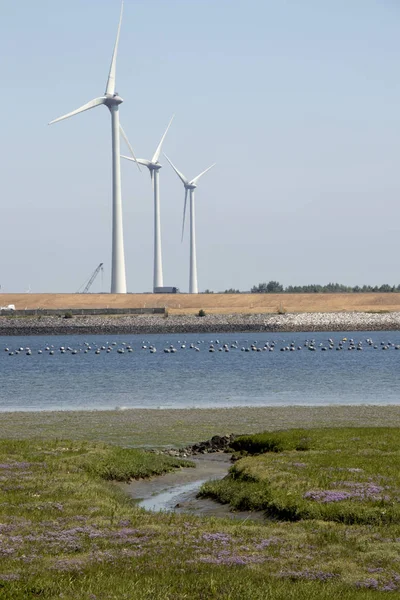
(206, 407)
(190, 324)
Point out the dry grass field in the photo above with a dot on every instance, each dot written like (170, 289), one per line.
(211, 303)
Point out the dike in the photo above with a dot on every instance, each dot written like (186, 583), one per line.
(233, 323)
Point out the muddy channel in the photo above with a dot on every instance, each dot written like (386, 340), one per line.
(176, 491)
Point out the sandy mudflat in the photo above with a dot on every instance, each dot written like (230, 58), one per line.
(179, 427)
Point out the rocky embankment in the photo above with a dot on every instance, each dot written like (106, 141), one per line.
(218, 443)
(145, 324)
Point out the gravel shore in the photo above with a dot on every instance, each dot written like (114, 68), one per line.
(143, 324)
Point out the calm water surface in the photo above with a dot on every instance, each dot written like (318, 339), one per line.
(189, 379)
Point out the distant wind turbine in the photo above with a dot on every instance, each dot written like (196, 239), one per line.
(154, 167)
(112, 100)
(190, 186)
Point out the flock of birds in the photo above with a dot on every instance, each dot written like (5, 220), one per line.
(213, 346)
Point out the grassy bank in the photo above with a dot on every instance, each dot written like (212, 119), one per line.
(67, 532)
(348, 475)
(155, 428)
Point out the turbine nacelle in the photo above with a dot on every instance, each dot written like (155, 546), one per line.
(142, 161)
(112, 100)
(154, 166)
(190, 186)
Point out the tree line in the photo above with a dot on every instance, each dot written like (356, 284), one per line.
(274, 287)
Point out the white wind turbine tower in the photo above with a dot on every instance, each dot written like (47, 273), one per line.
(112, 100)
(154, 167)
(190, 186)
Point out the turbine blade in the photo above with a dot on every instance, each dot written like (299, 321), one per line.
(143, 161)
(110, 89)
(129, 146)
(138, 161)
(180, 175)
(159, 148)
(184, 213)
(195, 180)
(88, 106)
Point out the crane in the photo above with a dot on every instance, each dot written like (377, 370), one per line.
(91, 280)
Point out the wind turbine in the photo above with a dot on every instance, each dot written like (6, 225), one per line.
(190, 186)
(154, 167)
(112, 100)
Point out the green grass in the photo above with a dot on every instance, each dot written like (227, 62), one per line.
(353, 439)
(176, 584)
(122, 464)
(349, 475)
(67, 531)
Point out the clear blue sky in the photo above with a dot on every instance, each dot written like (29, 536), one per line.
(298, 102)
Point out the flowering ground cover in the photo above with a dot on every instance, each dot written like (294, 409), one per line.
(66, 531)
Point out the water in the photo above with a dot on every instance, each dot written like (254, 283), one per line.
(189, 379)
(177, 491)
(167, 500)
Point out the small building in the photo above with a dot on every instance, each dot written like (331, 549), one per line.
(166, 290)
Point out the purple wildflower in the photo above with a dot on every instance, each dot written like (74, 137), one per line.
(70, 564)
(7, 551)
(29, 559)
(308, 575)
(371, 583)
(375, 570)
(231, 559)
(390, 586)
(267, 542)
(224, 538)
(124, 523)
(15, 465)
(359, 491)
(9, 577)
(327, 496)
(15, 539)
